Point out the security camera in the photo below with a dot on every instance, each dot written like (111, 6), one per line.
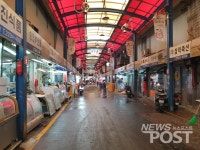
(85, 7)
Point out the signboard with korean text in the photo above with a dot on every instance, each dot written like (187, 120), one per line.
(162, 56)
(153, 59)
(144, 62)
(130, 66)
(53, 54)
(137, 64)
(10, 24)
(45, 50)
(59, 59)
(179, 52)
(34, 41)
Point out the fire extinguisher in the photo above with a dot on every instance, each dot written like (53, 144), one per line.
(19, 67)
(36, 83)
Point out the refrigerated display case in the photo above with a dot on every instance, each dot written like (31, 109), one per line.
(56, 94)
(34, 112)
(47, 102)
(63, 94)
(8, 120)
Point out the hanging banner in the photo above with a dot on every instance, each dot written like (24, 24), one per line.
(71, 45)
(78, 62)
(159, 26)
(10, 24)
(129, 48)
(112, 62)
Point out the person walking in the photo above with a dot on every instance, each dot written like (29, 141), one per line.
(104, 89)
(74, 87)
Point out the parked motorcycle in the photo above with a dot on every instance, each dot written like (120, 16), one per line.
(129, 93)
(81, 89)
(161, 100)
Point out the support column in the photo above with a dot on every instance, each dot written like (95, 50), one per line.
(115, 64)
(65, 45)
(170, 65)
(106, 72)
(135, 75)
(20, 7)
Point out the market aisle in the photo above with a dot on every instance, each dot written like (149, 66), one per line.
(94, 123)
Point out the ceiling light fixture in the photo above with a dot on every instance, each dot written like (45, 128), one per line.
(85, 7)
(97, 45)
(106, 18)
(102, 32)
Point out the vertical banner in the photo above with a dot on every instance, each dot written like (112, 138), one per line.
(71, 45)
(78, 62)
(112, 62)
(159, 26)
(129, 48)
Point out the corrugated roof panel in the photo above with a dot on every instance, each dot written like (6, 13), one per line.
(91, 25)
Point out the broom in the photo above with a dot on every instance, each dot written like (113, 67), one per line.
(193, 120)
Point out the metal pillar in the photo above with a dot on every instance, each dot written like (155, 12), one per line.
(105, 72)
(65, 45)
(170, 65)
(115, 64)
(20, 7)
(135, 75)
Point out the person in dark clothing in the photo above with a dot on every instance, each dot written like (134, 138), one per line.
(104, 88)
(129, 91)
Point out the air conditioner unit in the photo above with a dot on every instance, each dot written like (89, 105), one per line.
(146, 52)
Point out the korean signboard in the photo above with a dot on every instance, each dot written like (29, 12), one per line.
(53, 54)
(34, 41)
(130, 66)
(153, 59)
(10, 24)
(144, 62)
(180, 52)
